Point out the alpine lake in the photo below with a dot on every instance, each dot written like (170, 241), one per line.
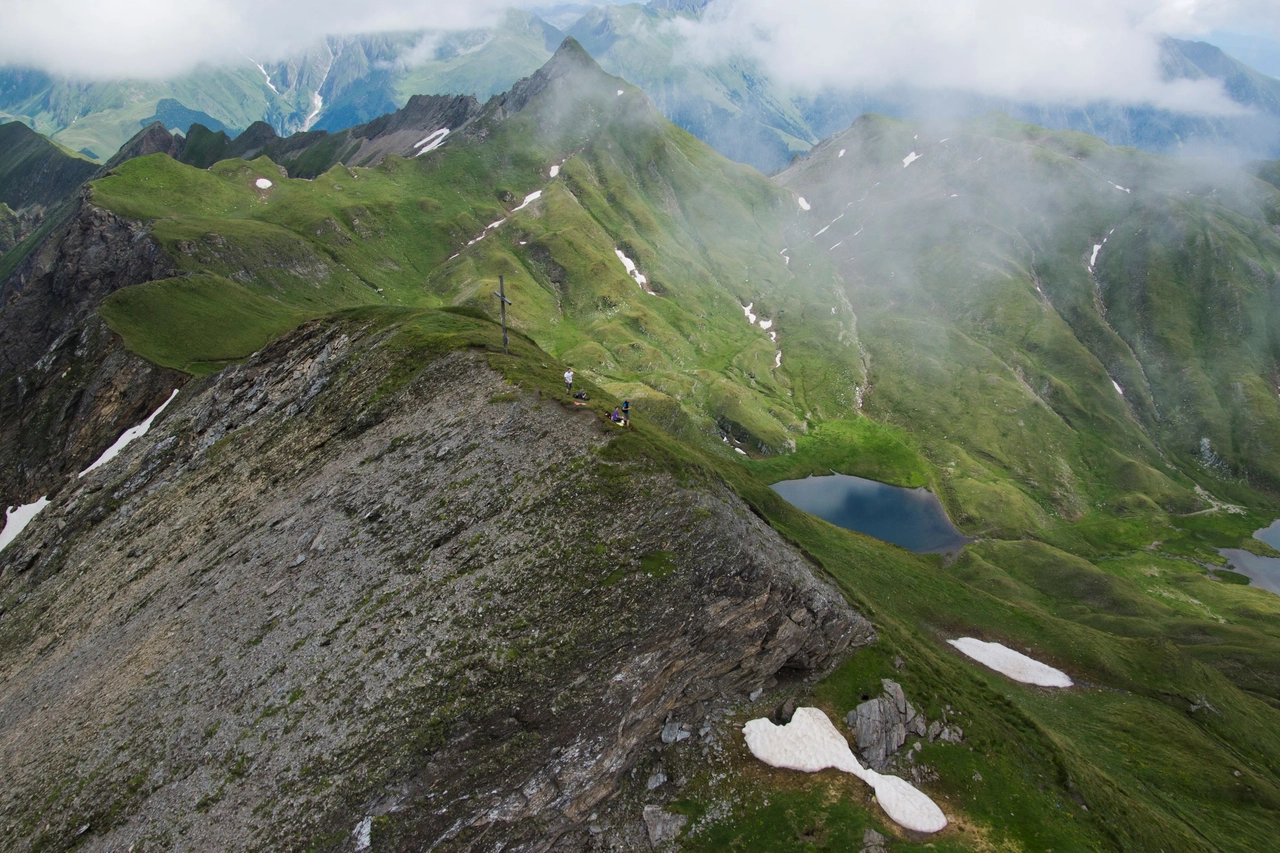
(1262, 572)
(910, 518)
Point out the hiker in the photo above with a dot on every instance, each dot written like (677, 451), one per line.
(626, 413)
(581, 395)
(568, 381)
(616, 417)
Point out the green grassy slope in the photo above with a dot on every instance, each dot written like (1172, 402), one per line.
(708, 235)
(35, 172)
(978, 362)
(989, 332)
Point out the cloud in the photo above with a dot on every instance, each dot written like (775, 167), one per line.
(1065, 51)
(160, 38)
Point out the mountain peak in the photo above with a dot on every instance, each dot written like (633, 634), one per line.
(570, 60)
(155, 138)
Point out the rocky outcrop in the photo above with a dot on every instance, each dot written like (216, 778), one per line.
(356, 587)
(155, 138)
(62, 281)
(881, 725)
(57, 417)
(67, 385)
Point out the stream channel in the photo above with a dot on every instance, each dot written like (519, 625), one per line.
(911, 518)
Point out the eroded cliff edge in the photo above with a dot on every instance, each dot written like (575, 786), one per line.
(361, 576)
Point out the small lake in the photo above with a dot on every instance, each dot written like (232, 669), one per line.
(911, 518)
(1262, 572)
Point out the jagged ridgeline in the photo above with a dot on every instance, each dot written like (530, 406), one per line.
(414, 226)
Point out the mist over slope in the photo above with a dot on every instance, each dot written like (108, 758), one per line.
(365, 565)
(735, 103)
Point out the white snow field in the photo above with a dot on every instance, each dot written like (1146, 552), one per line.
(909, 159)
(1015, 665)
(432, 141)
(262, 184)
(810, 743)
(634, 271)
(528, 200)
(804, 205)
(16, 519)
(555, 170)
(746, 309)
(841, 154)
(1119, 390)
(128, 436)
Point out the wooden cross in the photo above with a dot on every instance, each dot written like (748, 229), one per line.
(503, 302)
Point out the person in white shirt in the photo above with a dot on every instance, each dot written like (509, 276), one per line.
(568, 381)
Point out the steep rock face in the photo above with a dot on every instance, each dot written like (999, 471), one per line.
(57, 417)
(155, 138)
(67, 385)
(335, 588)
(61, 282)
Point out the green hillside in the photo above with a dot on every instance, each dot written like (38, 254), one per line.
(34, 172)
(706, 233)
(940, 319)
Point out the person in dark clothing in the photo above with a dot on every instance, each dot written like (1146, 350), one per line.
(626, 413)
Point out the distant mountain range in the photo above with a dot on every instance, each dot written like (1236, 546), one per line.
(735, 107)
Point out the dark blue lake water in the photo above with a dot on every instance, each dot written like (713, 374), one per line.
(1262, 572)
(911, 518)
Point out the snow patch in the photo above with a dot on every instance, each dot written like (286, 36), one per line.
(804, 205)
(829, 224)
(837, 245)
(619, 92)
(740, 450)
(1119, 390)
(16, 519)
(262, 184)
(909, 159)
(841, 154)
(1015, 665)
(493, 225)
(633, 271)
(555, 170)
(1093, 259)
(529, 199)
(432, 141)
(270, 85)
(746, 309)
(810, 743)
(1122, 189)
(777, 362)
(128, 436)
(765, 324)
(773, 336)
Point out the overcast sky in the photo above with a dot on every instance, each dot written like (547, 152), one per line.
(1071, 50)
